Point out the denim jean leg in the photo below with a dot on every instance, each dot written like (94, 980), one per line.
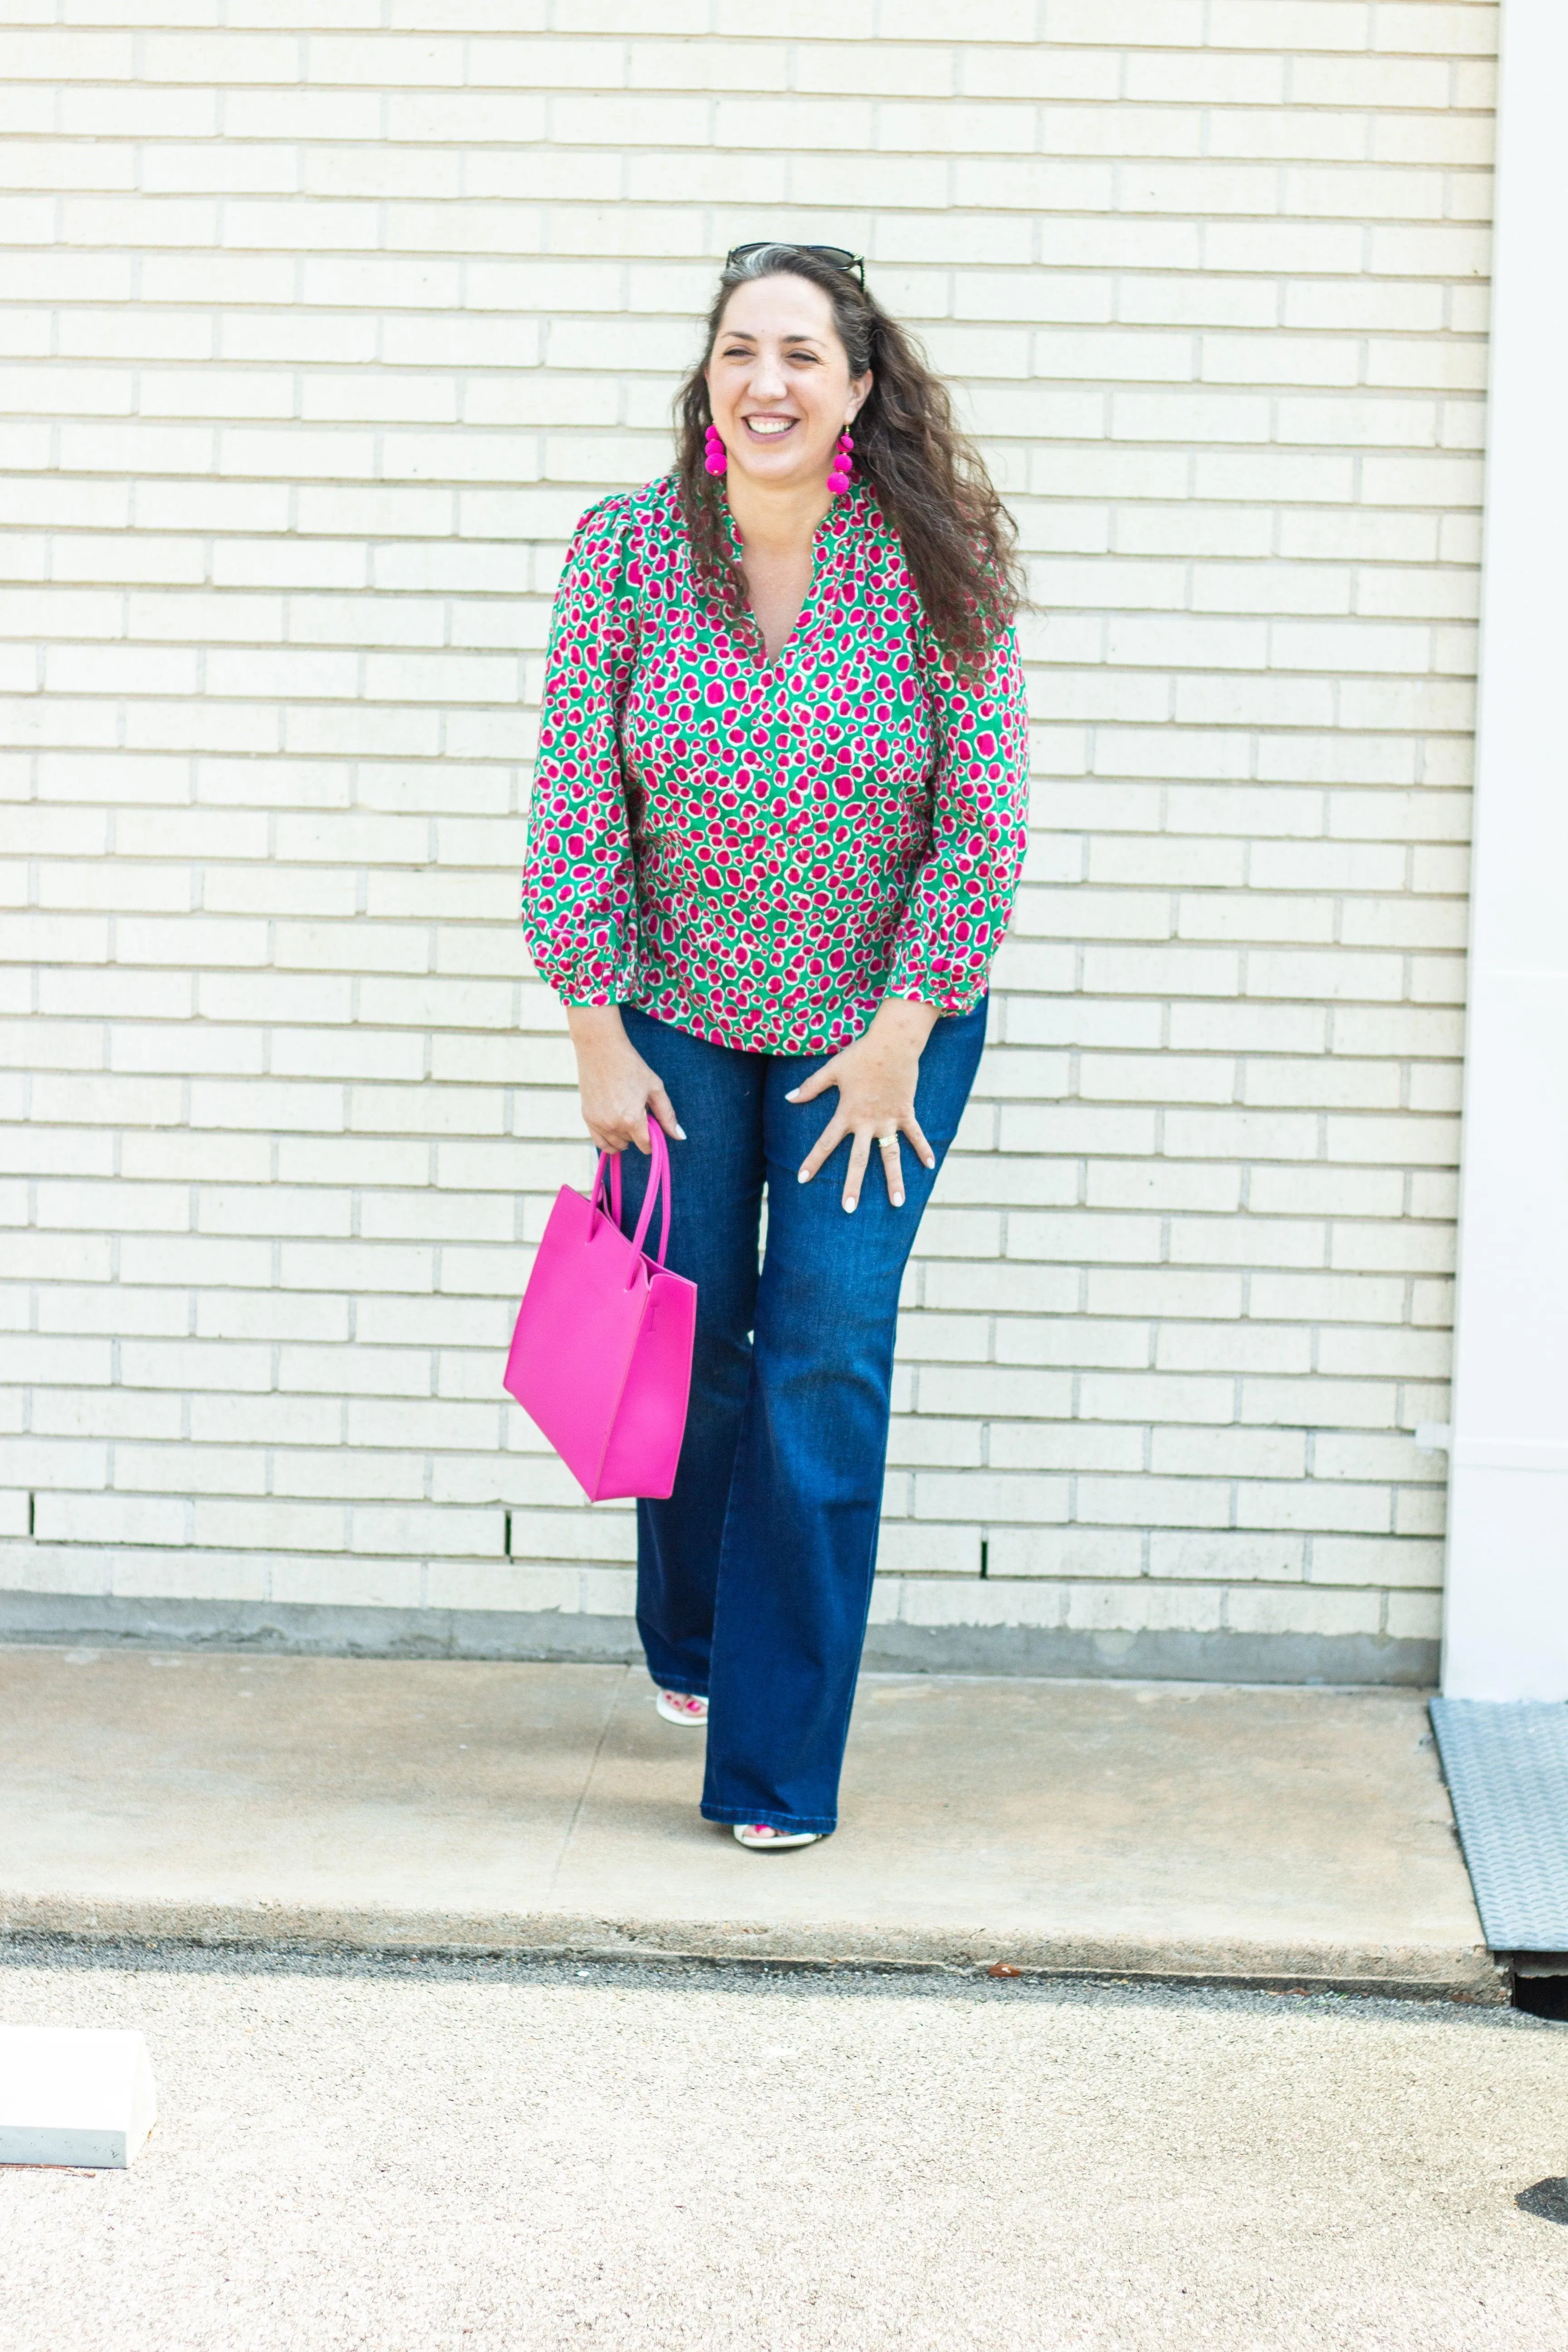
(800, 1535)
(715, 1182)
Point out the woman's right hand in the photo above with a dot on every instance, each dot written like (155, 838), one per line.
(616, 1086)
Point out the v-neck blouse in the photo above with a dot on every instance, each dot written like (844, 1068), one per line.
(761, 853)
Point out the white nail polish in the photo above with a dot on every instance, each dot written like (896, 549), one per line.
(680, 1135)
(850, 1208)
(803, 1178)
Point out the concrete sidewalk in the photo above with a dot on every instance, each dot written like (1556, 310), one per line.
(1176, 1830)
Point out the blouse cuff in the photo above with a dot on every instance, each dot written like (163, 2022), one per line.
(936, 977)
(579, 981)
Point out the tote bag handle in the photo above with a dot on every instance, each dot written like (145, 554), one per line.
(608, 1191)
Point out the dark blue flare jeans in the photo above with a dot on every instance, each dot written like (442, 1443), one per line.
(754, 1578)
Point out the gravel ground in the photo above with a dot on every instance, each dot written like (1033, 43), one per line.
(421, 2155)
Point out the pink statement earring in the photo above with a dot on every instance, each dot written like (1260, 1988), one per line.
(715, 456)
(839, 472)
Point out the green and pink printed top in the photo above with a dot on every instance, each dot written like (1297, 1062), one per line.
(761, 854)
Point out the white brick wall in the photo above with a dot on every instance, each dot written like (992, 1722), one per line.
(322, 320)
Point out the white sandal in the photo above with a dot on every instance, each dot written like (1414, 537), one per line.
(682, 1706)
(763, 1838)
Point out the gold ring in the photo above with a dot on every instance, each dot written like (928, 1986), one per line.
(887, 1142)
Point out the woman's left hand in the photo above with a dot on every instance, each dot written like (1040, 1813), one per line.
(876, 1080)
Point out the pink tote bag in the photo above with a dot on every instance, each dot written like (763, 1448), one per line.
(601, 1358)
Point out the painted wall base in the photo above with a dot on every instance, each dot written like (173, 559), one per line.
(585, 1640)
(1506, 1610)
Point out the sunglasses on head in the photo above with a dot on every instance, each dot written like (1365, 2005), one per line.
(837, 256)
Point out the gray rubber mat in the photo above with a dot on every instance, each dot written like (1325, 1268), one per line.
(1506, 1763)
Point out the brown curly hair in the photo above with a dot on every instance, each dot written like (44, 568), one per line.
(928, 480)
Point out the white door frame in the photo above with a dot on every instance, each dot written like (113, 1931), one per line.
(1506, 1614)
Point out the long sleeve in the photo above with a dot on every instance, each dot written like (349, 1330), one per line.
(962, 896)
(579, 900)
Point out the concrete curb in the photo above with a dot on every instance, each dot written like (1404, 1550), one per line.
(1174, 1833)
(1429, 1972)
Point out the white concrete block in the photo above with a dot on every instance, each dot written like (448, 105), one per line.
(74, 2095)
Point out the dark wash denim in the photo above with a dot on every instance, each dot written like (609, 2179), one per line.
(754, 1578)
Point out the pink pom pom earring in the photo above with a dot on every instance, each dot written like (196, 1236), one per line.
(839, 472)
(716, 458)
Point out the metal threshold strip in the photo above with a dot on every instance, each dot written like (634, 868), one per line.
(1506, 1763)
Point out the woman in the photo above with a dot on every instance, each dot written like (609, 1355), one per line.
(777, 824)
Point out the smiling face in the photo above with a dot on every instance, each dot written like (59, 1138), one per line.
(778, 381)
